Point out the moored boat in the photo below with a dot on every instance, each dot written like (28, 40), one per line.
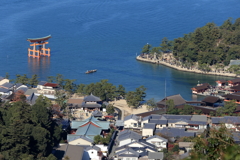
(91, 71)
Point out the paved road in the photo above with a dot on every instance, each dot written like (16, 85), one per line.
(120, 117)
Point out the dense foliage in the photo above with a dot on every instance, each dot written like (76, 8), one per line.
(27, 132)
(208, 45)
(215, 144)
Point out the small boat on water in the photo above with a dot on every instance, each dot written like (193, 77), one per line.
(90, 71)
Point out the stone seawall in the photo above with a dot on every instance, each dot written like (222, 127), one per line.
(139, 58)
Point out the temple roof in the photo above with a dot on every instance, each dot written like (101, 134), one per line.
(39, 39)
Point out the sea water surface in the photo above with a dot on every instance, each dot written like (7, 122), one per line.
(106, 35)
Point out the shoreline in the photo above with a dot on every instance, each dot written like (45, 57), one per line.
(139, 58)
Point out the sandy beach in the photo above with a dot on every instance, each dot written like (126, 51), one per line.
(184, 69)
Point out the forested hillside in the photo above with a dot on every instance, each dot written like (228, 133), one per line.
(210, 44)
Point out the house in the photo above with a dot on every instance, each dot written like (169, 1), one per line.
(186, 146)
(221, 83)
(234, 82)
(177, 123)
(179, 102)
(127, 153)
(159, 123)
(4, 91)
(72, 152)
(7, 86)
(75, 102)
(155, 155)
(132, 121)
(211, 100)
(97, 113)
(198, 122)
(232, 122)
(233, 96)
(148, 129)
(3, 80)
(174, 132)
(217, 121)
(158, 141)
(89, 128)
(79, 140)
(145, 120)
(200, 88)
(127, 136)
(91, 102)
(94, 153)
(142, 143)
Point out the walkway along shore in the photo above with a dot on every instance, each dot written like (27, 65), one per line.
(139, 58)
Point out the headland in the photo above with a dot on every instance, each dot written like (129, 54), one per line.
(184, 69)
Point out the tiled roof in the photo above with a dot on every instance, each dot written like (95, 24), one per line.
(129, 134)
(93, 148)
(177, 120)
(175, 132)
(155, 155)
(88, 130)
(102, 124)
(158, 121)
(24, 89)
(42, 83)
(177, 99)
(72, 137)
(128, 152)
(211, 99)
(4, 90)
(217, 120)
(197, 122)
(50, 84)
(186, 117)
(156, 136)
(202, 118)
(132, 116)
(97, 113)
(87, 105)
(232, 119)
(7, 85)
(149, 126)
(92, 98)
(1, 78)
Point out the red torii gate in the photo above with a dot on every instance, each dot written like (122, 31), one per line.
(41, 51)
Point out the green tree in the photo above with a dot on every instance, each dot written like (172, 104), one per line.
(33, 81)
(7, 76)
(80, 89)
(166, 45)
(60, 80)
(121, 91)
(146, 48)
(69, 86)
(110, 109)
(22, 79)
(51, 79)
(151, 104)
(134, 98)
(97, 139)
(187, 110)
(215, 144)
(171, 107)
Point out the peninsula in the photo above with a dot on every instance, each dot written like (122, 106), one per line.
(209, 50)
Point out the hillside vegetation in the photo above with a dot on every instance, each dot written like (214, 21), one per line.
(207, 45)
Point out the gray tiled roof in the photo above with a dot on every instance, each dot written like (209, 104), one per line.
(32, 99)
(129, 134)
(145, 118)
(72, 137)
(4, 90)
(30, 91)
(177, 99)
(87, 105)
(175, 132)
(73, 151)
(97, 113)
(1, 78)
(24, 89)
(42, 83)
(7, 85)
(177, 120)
(202, 118)
(18, 85)
(187, 117)
(93, 147)
(232, 119)
(128, 152)
(156, 136)
(142, 142)
(155, 155)
(132, 116)
(158, 121)
(217, 120)
(197, 122)
(149, 126)
(155, 116)
(91, 98)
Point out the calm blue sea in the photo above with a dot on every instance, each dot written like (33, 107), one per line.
(106, 35)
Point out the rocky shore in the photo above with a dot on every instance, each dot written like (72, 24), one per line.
(156, 61)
